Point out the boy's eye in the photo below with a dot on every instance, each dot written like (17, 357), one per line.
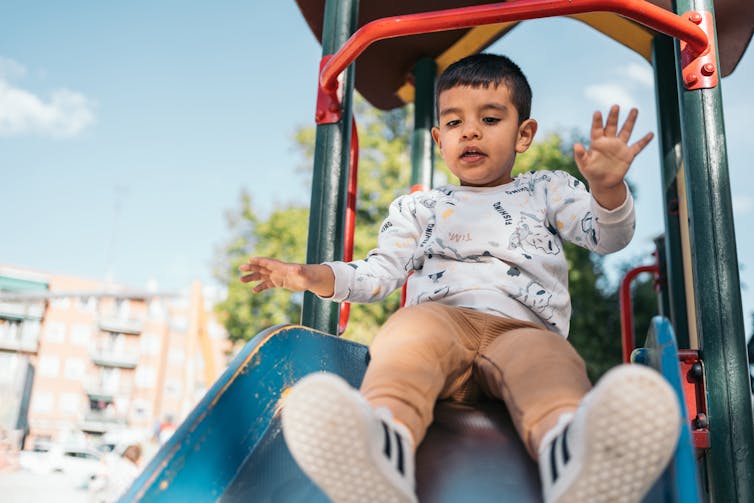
(453, 123)
(490, 120)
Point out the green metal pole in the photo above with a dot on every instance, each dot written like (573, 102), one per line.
(422, 146)
(330, 177)
(730, 460)
(669, 132)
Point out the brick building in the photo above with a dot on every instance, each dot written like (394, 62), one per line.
(78, 355)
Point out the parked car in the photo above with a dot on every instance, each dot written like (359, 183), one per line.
(79, 463)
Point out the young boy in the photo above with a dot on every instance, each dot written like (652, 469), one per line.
(487, 311)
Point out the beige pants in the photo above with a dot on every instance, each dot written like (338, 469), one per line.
(432, 351)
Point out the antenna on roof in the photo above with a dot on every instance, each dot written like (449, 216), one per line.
(118, 192)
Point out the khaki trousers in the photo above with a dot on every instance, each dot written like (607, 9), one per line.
(432, 351)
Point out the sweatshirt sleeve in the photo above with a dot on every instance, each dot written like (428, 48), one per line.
(580, 219)
(386, 267)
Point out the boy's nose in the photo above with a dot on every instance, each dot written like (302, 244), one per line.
(471, 132)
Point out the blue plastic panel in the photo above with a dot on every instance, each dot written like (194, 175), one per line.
(231, 422)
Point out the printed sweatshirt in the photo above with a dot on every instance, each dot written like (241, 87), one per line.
(498, 250)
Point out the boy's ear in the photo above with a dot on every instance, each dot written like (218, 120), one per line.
(526, 132)
(436, 136)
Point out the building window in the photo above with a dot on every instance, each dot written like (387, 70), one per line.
(145, 376)
(49, 366)
(74, 368)
(55, 332)
(42, 402)
(109, 380)
(10, 330)
(173, 387)
(150, 344)
(179, 324)
(141, 410)
(60, 303)
(113, 342)
(176, 356)
(156, 309)
(70, 403)
(80, 334)
(87, 304)
(122, 308)
(30, 330)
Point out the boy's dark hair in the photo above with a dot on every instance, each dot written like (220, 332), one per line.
(483, 70)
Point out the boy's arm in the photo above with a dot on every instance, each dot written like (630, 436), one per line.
(271, 273)
(609, 156)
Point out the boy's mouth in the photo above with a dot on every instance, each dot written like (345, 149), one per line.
(472, 154)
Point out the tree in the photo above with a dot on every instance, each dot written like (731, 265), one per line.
(384, 174)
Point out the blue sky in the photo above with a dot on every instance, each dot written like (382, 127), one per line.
(128, 130)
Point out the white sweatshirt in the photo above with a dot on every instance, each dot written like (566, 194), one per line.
(497, 250)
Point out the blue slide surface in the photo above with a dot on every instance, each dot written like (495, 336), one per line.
(231, 447)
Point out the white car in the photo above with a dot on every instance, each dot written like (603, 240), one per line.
(79, 463)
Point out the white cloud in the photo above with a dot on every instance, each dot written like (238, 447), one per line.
(608, 94)
(66, 114)
(742, 205)
(639, 73)
(10, 69)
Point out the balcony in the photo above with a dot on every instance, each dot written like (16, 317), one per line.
(21, 310)
(101, 421)
(98, 390)
(121, 325)
(106, 357)
(23, 344)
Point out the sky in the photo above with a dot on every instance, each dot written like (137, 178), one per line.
(128, 130)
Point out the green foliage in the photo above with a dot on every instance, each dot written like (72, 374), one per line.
(282, 235)
(384, 171)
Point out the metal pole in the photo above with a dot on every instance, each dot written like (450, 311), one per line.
(329, 181)
(422, 146)
(669, 132)
(730, 460)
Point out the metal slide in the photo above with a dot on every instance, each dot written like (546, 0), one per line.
(231, 448)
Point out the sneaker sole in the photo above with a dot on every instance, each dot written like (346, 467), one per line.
(629, 436)
(327, 432)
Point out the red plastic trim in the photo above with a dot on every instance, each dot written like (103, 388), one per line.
(700, 70)
(626, 311)
(695, 397)
(329, 98)
(650, 15)
(348, 241)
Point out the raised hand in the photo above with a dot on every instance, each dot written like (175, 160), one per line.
(609, 156)
(271, 273)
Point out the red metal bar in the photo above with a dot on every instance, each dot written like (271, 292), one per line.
(695, 396)
(626, 312)
(353, 175)
(641, 11)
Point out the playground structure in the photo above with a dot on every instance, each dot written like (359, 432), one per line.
(230, 447)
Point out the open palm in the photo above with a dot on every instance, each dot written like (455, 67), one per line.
(609, 156)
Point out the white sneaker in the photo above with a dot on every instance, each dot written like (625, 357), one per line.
(616, 444)
(354, 453)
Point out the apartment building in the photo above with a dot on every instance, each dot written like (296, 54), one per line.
(82, 356)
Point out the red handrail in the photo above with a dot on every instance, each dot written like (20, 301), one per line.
(626, 312)
(353, 175)
(641, 11)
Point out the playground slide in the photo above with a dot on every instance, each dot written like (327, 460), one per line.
(231, 448)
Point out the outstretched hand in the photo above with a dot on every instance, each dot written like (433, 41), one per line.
(271, 273)
(609, 156)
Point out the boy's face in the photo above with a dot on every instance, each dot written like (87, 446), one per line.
(479, 134)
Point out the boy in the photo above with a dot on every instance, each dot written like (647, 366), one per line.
(487, 311)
